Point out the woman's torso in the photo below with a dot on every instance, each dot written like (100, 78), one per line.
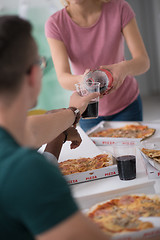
(100, 44)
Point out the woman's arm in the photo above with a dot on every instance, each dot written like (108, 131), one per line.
(139, 63)
(61, 64)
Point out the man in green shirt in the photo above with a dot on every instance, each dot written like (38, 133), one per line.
(35, 200)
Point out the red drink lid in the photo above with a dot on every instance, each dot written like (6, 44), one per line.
(103, 76)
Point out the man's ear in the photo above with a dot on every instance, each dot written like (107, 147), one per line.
(33, 82)
(32, 78)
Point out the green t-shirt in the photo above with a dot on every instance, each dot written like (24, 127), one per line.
(34, 196)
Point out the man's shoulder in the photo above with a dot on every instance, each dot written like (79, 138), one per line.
(17, 160)
(25, 156)
(11, 151)
(29, 158)
(26, 167)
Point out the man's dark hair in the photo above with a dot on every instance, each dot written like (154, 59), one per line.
(17, 52)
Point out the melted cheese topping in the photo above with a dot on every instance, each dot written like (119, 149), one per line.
(122, 215)
(128, 131)
(85, 164)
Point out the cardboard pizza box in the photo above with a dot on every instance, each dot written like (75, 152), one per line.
(92, 175)
(87, 201)
(152, 167)
(153, 233)
(99, 141)
(86, 149)
(150, 234)
(151, 171)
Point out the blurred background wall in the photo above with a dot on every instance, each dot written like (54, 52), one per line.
(37, 11)
(148, 19)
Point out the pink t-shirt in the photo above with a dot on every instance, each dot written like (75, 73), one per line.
(100, 44)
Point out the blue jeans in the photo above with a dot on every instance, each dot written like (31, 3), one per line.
(133, 112)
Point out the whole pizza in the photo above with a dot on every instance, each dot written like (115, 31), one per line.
(128, 131)
(122, 214)
(71, 166)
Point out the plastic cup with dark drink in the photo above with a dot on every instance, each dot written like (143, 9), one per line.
(84, 89)
(126, 165)
(126, 160)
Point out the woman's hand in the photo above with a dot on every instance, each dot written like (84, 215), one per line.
(86, 71)
(118, 73)
(81, 77)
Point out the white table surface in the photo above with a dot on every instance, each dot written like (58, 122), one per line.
(111, 186)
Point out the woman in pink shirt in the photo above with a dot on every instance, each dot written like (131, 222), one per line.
(88, 34)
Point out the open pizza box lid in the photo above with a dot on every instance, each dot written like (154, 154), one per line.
(152, 167)
(151, 171)
(99, 141)
(86, 149)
